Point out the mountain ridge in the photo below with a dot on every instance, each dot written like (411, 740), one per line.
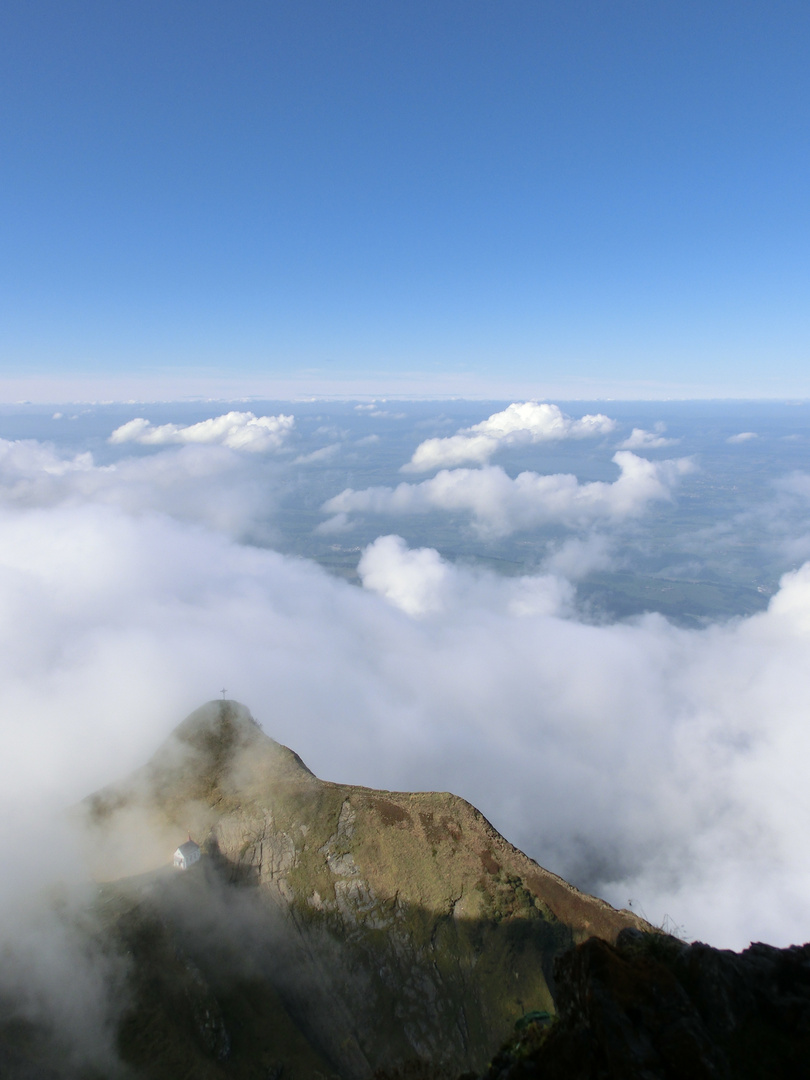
(408, 905)
(222, 729)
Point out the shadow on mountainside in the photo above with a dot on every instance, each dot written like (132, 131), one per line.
(293, 988)
(221, 984)
(223, 980)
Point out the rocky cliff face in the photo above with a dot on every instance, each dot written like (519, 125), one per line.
(650, 1007)
(328, 929)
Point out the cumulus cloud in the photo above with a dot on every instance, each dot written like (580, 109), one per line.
(421, 582)
(521, 423)
(499, 505)
(743, 436)
(236, 430)
(413, 580)
(639, 439)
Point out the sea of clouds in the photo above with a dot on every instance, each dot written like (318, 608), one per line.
(660, 766)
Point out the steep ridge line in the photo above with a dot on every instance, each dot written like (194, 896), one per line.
(394, 929)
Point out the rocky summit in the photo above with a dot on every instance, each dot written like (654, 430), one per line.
(327, 928)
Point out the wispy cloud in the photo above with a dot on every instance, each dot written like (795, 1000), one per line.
(639, 439)
(317, 457)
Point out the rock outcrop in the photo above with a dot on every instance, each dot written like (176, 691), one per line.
(650, 1007)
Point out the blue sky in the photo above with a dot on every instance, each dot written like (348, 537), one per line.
(516, 199)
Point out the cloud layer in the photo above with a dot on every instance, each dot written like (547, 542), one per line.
(208, 485)
(645, 762)
(520, 424)
(499, 505)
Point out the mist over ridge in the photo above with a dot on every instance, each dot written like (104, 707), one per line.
(653, 758)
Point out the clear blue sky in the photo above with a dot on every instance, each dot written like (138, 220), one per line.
(604, 196)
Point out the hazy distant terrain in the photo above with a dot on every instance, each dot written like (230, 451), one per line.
(717, 549)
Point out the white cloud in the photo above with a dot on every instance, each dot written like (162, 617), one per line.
(450, 451)
(420, 582)
(520, 423)
(743, 436)
(413, 580)
(236, 430)
(542, 422)
(500, 505)
(639, 439)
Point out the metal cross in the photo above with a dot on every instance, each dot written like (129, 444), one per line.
(222, 691)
